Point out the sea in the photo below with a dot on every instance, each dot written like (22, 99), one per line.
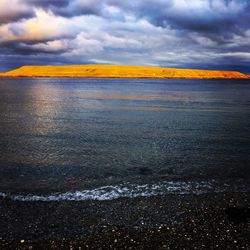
(101, 139)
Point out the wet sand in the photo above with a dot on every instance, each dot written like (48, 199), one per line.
(206, 221)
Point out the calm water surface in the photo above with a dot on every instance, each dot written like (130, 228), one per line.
(123, 136)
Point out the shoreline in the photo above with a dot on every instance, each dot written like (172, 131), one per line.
(128, 77)
(157, 222)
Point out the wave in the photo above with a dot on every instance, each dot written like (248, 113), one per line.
(132, 190)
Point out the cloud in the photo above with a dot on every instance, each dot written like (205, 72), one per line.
(48, 3)
(69, 8)
(53, 47)
(14, 10)
(201, 16)
(44, 26)
(179, 33)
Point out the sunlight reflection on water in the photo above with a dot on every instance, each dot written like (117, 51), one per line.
(106, 131)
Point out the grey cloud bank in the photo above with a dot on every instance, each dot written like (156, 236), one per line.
(171, 33)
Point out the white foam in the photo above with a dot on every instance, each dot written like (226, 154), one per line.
(125, 190)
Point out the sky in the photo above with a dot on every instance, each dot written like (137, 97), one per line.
(205, 34)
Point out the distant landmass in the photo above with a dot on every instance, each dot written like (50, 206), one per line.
(117, 71)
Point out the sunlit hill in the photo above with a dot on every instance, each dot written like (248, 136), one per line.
(115, 71)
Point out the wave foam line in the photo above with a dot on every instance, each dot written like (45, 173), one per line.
(127, 190)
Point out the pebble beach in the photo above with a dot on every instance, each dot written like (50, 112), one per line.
(207, 221)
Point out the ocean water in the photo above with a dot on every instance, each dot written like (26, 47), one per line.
(81, 139)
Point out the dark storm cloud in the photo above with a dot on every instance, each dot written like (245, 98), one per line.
(212, 16)
(201, 16)
(69, 8)
(49, 3)
(15, 16)
(30, 48)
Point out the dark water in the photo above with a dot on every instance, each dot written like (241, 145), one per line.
(123, 137)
